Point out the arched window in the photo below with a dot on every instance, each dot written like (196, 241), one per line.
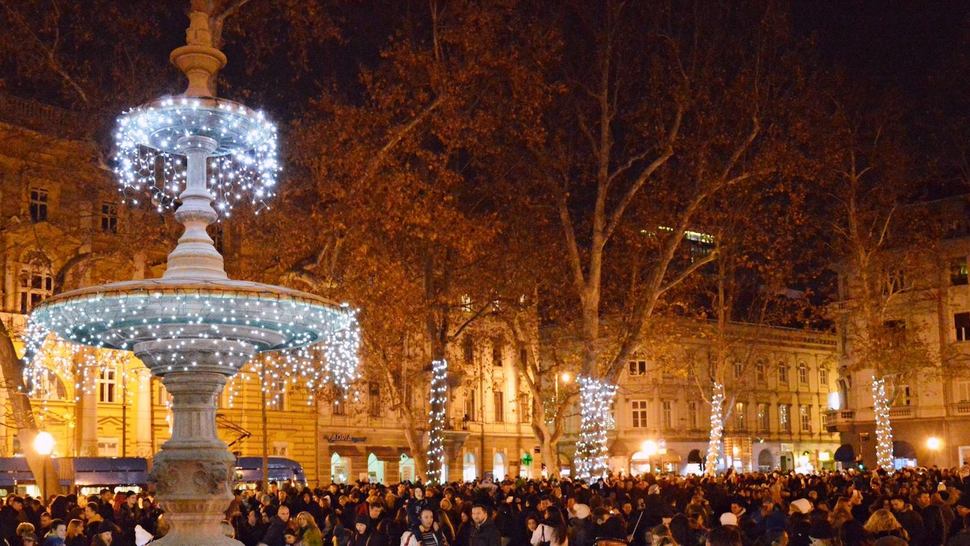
(468, 470)
(339, 468)
(498, 466)
(375, 469)
(406, 468)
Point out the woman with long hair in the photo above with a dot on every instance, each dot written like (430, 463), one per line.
(75, 534)
(882, 523)
(308, 530)
(552, 531)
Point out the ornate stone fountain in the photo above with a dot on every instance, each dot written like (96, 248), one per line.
(194, 327)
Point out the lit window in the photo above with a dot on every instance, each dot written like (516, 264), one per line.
(764, 420)
(107, 383)
(639, 408)
(638, 367)
(339, 406)
(38, 205)
(109, 217)
(739, 416)
(784, 417)
(805, 416)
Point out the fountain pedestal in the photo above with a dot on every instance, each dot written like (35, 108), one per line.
(193, 471)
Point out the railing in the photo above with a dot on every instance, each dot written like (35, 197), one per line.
(833, 418)
(44, 117)
(961, 408)
(904, 411)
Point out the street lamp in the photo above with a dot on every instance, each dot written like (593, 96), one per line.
(933, 443)
(44, 445)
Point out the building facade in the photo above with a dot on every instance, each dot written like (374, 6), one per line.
(930, 406)
(777, 386)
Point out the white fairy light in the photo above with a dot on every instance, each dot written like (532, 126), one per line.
(596, 418)
(317, 344)
(884, 429)
(717, 429)
(436, 420)
(243, 167)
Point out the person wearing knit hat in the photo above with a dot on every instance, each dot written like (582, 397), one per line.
(727, 518)
(803, 506)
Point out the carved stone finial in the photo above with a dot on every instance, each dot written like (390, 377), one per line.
(199, 61)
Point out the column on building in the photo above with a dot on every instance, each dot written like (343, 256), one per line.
(143, 418)
(87, 422)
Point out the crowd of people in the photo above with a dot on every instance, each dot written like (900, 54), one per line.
(920, 507)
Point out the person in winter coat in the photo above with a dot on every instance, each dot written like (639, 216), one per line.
(426, 533)
(308, 530)
(484, 532)
(581, 527)
(364, 535)
(277, 524)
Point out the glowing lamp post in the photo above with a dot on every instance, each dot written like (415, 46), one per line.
(933, 443)
(44, 445)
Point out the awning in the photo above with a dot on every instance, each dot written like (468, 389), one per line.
(903, 450)
(15, 470)
(250, 469)
(845, 454)
(108, 470)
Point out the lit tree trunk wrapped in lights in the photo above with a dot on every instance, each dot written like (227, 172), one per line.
(717, 429)
(595, 399)
(884, 429)
(436, 420)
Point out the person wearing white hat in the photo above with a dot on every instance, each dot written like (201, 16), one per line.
(727, 518)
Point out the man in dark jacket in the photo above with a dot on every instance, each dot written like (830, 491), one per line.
(484, 533)
(608, 525)
(277, 524)
(934, 526)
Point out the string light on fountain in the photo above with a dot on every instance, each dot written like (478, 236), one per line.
(150, 159)
(307, 341)
(436, 417)
(596, 401)
(884, 429)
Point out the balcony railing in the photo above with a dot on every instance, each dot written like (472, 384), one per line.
(900, 412)
(834, 418)
(961, 408)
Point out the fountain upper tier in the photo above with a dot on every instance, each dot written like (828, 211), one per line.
(172, 323)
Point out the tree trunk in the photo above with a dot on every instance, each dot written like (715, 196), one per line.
(436, 425)
(23, 416)
(414, 445)
(596, 399)
(884, 429)
(717, 429)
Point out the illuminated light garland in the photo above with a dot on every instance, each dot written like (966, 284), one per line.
(436, 421)
(148, 159)
(596, 399)
(717, 429)
(884, 429)
(319, 344)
